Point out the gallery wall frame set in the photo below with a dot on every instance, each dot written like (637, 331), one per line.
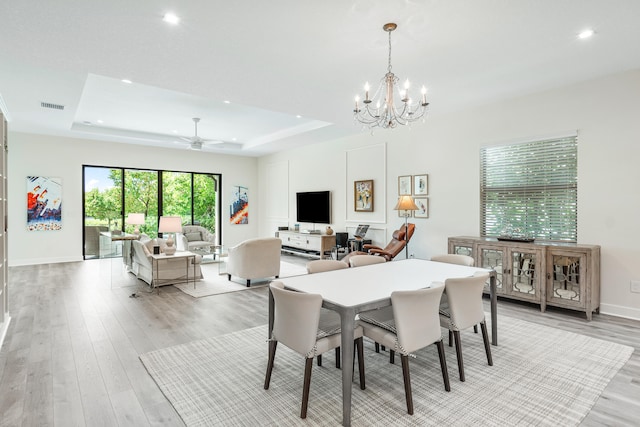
(416, 186)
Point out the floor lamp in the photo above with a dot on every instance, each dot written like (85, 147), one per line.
(406, 204)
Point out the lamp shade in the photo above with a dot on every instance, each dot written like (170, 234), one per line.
(135, 219)
(406, 203)
(171, 224)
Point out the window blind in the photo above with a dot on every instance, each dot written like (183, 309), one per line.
(530, 190)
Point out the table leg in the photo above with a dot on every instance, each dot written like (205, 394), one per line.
(347, 321)
(494, 308)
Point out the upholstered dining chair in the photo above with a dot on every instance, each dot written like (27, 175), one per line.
(320, 265)
(361, 260)
(415, 325)
(465, 309)
(454, 259)
(296, 325)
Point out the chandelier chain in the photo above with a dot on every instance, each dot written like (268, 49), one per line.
(389, 67)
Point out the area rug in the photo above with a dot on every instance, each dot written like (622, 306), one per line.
(215, 283)
(541, 376)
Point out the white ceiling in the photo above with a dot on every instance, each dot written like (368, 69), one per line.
(275, 60)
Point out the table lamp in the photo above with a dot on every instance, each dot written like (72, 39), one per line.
(170, 224)
(136, 219)
(406, 204)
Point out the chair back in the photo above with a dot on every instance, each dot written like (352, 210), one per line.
(416, 316)
(361, 260)
(465, 300)
(398, 242)
(320, 265)
(454, 259)
(296, 318)
(342, 239)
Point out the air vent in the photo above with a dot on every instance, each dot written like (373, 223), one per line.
(53, 106)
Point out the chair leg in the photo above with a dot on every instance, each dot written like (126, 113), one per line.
(272, 356)
(475, 329)
(248, 283)
(305, 387)
(443, 365)
(319, 358)
(228, 277)
(360, 348)
(377, 347)
(338, 357)
(450, 338)
(456, 336)
(487, 346)
(407, 382)
(392, 357)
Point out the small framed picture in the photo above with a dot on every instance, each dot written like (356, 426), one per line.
(404, 185)
(423, 207)
(421, 185)
(363, 196)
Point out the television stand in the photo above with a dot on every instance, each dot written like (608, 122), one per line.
(307, 244)
(311, 232)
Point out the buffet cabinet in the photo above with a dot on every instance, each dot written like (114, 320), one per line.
(546, 273)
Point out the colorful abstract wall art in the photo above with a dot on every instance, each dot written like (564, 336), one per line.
(44, 203)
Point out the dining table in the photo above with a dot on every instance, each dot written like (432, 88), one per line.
(353, 290)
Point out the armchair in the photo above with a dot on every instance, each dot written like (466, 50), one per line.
(194, 237)
(393, 248)
(255, 259)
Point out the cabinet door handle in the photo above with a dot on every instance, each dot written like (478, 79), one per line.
(548, 276)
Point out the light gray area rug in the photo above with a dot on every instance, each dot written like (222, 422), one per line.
(541, 376)
(215, 283)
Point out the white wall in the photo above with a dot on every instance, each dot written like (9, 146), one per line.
(63, 157)
(606, 114)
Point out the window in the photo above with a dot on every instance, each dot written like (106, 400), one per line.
(530, 190)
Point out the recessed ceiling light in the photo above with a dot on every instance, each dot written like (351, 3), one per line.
(298, 116)
(127, 81)
(100, 121)
(586, 34)
(171, 18)
(227, 102)
(234, 139)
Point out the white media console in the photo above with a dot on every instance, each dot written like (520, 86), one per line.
(307, 244)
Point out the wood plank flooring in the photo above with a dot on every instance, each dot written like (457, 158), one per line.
(71, 353)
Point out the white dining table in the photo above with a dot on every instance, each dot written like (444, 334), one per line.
(353, 290)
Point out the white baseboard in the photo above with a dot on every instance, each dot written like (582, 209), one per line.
(35, 261)
(620, 311)
(4, 327)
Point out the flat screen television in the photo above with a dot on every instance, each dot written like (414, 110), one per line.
(314, 207)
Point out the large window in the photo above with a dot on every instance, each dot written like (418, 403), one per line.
(113, 193)
(530, 190)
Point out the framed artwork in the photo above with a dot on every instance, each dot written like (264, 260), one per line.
(363, 195)
(404, 185)
(421, 185)
(44, 203)
(423, 207)
(239, 208)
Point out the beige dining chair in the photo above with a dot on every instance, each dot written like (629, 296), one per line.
(321, 265)
(362, 260)
(465, 310)
(415, 325)
(297, 325)
(454, 259)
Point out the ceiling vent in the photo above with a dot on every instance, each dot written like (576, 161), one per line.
(53, 106)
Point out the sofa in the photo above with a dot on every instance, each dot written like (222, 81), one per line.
(195, 237)
(169, 272)
(255, 259)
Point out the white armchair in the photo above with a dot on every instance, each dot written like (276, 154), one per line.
(255, 259)
(194, 237)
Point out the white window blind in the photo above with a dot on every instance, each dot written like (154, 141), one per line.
(530, 190)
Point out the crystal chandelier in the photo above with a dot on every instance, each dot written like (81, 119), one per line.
(386, 109)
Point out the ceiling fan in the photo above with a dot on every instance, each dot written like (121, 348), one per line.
(195, 142)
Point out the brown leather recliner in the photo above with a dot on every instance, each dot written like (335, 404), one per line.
(393, 248)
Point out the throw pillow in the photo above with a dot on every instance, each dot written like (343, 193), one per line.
(193, 237)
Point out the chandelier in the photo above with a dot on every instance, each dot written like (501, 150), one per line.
(390, 106)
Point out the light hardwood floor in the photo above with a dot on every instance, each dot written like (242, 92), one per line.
(71, 354)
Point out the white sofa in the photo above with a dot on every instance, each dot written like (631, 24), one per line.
(169, 272)
(194, 237)
(255, 259)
